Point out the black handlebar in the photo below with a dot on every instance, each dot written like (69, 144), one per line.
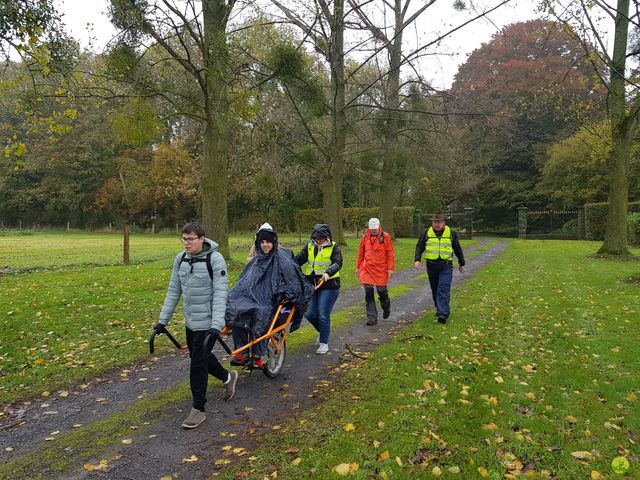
(166, 332)
(218, 338)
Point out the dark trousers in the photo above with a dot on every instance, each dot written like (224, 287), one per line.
(241, 338)
(440, 277)
(370, 300)
(202, 364)
(319, 311)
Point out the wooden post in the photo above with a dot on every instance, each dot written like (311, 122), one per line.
(68, 227)
(125, 246)
(153, 228)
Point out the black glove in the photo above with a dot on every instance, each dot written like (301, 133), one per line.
(214, 332)
(159, 327)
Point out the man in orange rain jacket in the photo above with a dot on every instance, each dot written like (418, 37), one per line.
(376, 262)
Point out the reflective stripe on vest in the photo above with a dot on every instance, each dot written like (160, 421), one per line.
(439, 248)
(318, 264)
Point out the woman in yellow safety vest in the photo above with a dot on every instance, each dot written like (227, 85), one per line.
(321, 260)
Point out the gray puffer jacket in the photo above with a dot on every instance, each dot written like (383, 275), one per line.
(204, 300)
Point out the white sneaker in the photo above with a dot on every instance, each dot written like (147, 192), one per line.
(322, 348)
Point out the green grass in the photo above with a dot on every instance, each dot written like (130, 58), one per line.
(538, 362)
(72, 321)
(90, 443)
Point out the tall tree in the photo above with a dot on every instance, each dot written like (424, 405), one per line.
(192, 36)
(530, 86)
(623, 98)
(325, 28)
(388, 39)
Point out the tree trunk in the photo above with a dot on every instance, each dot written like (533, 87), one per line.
(391, 154)
(125, 244)
(214, 179)
(622, 127)
(332, 186)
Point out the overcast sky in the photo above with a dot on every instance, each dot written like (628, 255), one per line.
(86, 21)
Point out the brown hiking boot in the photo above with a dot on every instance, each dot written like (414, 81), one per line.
(230, 386)
(195, 418)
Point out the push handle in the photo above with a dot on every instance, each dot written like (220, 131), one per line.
(166, 332)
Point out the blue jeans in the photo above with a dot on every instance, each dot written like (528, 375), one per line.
(319, 312)
(440, 281)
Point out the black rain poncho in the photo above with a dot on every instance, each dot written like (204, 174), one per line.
(264, 283)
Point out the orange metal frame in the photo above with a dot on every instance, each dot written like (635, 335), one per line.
(270, 333)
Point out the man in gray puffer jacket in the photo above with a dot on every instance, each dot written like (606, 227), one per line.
(200, 276)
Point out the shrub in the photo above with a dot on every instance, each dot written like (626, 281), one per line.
(595, 218)
(355, 219)
(633, 228)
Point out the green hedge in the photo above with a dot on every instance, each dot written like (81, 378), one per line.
(355, 219)
(595, 219)
(633, 228)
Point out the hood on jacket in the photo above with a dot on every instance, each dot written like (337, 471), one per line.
(321, 230)
(266, 232)
(207, 246)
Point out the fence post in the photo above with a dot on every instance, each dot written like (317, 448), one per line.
(522, 222)
(468, 222)
(581, 226)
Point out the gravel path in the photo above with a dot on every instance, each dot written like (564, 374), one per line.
(160, 450)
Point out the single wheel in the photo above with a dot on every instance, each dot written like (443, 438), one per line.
(275, 359)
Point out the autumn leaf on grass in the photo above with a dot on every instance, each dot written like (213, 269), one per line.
(126, 441)
(631, 397)
(296, 461)
(384, 455)
(349, 427)
(582, 455)
(437, 471)
(490, 426)
(596, 475)
(345, 469)
(483, 472)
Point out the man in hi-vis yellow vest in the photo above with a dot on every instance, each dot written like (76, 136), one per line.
(440, 243)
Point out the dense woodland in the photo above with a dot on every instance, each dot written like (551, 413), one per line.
(236, 114)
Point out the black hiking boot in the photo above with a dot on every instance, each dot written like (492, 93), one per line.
(372, 321)
(442, 320)
(386, 309)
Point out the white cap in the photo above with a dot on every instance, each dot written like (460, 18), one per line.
(374, 223)
(265, 226)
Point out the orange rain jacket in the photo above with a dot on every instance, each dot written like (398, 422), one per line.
(375, 258)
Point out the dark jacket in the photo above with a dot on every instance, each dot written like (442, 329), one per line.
(336, 259)
(455, 244)
(264, 283)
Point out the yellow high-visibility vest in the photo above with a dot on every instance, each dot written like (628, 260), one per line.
(439, 248)
(318, 264)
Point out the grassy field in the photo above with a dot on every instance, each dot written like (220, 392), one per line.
(73, 312)
(536, 376)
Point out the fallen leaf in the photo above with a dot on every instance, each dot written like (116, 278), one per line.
(595, 475)
(582, 455)
(490, 426)
(499, 379)
(384, 455)
(454, 469)
(483, 472)
(349, 427)
(437, 471)
(296, 461)
(126, 441)
(192, 458)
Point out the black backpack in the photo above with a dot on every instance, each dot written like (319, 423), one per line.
(193, 260)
